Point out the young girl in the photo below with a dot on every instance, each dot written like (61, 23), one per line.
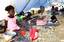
(33, 34)
(11, 19)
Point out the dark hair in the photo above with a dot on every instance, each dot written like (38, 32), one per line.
(21, 13)
(52, 6)
(24, 18)
(39, 11)
(42, 7)
(8, 8)
(56, 8)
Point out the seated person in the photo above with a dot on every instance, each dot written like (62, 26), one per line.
(42, 21)
(53, 19)
(28, 15)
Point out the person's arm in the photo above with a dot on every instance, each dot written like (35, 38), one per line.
(6, 23)
(17, 22)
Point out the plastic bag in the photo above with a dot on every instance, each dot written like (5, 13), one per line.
(33, 33)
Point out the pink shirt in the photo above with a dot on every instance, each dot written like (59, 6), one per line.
(42, 22)
(12, 23)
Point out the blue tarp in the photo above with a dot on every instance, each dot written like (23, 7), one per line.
(20, 5)
(31, 4)
(28, 4)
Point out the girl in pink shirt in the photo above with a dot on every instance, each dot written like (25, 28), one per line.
(11, 19)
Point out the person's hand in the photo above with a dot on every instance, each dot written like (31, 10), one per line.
(7, 30)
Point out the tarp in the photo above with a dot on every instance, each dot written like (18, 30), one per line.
(24, 5)
(20, 4)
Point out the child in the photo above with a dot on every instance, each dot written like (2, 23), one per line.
(23, 35)
(25, 23)
(33, 34)
(22, 31)
(20, 19)
(11, 19)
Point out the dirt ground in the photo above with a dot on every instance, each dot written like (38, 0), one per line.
(51, 35)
